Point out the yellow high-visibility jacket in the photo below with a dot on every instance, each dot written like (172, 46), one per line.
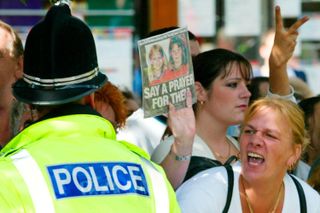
(73, 163)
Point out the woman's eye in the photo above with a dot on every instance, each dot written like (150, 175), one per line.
(232, 85)
(271, 136)
(249, 131)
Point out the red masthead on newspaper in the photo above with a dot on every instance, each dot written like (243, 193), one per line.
(167, 71)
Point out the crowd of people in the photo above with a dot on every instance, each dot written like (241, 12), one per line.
(72, 141)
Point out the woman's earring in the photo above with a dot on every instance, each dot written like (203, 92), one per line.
(291, 167)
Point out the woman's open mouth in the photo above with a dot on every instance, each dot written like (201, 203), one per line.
(255, 158)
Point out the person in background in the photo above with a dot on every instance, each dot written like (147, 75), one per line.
(311, 109)
(301, 89)
(193, 44)
(193, 41)
(221, 79)
(225, 41)
(271, 142)
(68, 159)
(11, 65)
(19, 117)
(132, 102)
(258, 87)
(314, 175)
(143, 132)
(110, 103)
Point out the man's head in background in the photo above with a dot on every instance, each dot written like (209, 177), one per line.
(193, 42)
(11, 65)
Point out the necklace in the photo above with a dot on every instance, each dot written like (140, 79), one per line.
(218, 155)
(248, 201)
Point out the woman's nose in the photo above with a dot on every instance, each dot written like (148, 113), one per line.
(256, 139)
(245, 93)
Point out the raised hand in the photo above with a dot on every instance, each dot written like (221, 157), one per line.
(281, 52)
(284, 41)
(182, 125)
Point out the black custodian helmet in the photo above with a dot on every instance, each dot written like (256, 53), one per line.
(60, 61)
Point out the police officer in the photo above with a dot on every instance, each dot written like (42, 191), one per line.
(69, 160)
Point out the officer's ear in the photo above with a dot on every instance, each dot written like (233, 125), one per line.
(18, 68)
(89, 100)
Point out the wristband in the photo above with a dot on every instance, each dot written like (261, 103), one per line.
(181, 157)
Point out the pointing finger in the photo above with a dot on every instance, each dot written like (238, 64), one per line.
(278, 19)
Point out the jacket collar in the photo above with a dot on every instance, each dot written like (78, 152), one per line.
(69, 109)
(63, 126)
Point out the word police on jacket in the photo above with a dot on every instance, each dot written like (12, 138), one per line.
(71, 180)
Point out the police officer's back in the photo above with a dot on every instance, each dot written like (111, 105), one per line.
(69, 160)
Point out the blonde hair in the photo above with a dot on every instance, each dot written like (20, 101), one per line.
(157, 48)
(15, 48)
(286, 110)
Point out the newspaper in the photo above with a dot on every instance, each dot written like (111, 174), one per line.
(167, 71)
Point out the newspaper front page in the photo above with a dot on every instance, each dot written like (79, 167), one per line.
(167, 71)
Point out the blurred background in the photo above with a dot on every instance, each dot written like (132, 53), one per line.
(238, 25)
